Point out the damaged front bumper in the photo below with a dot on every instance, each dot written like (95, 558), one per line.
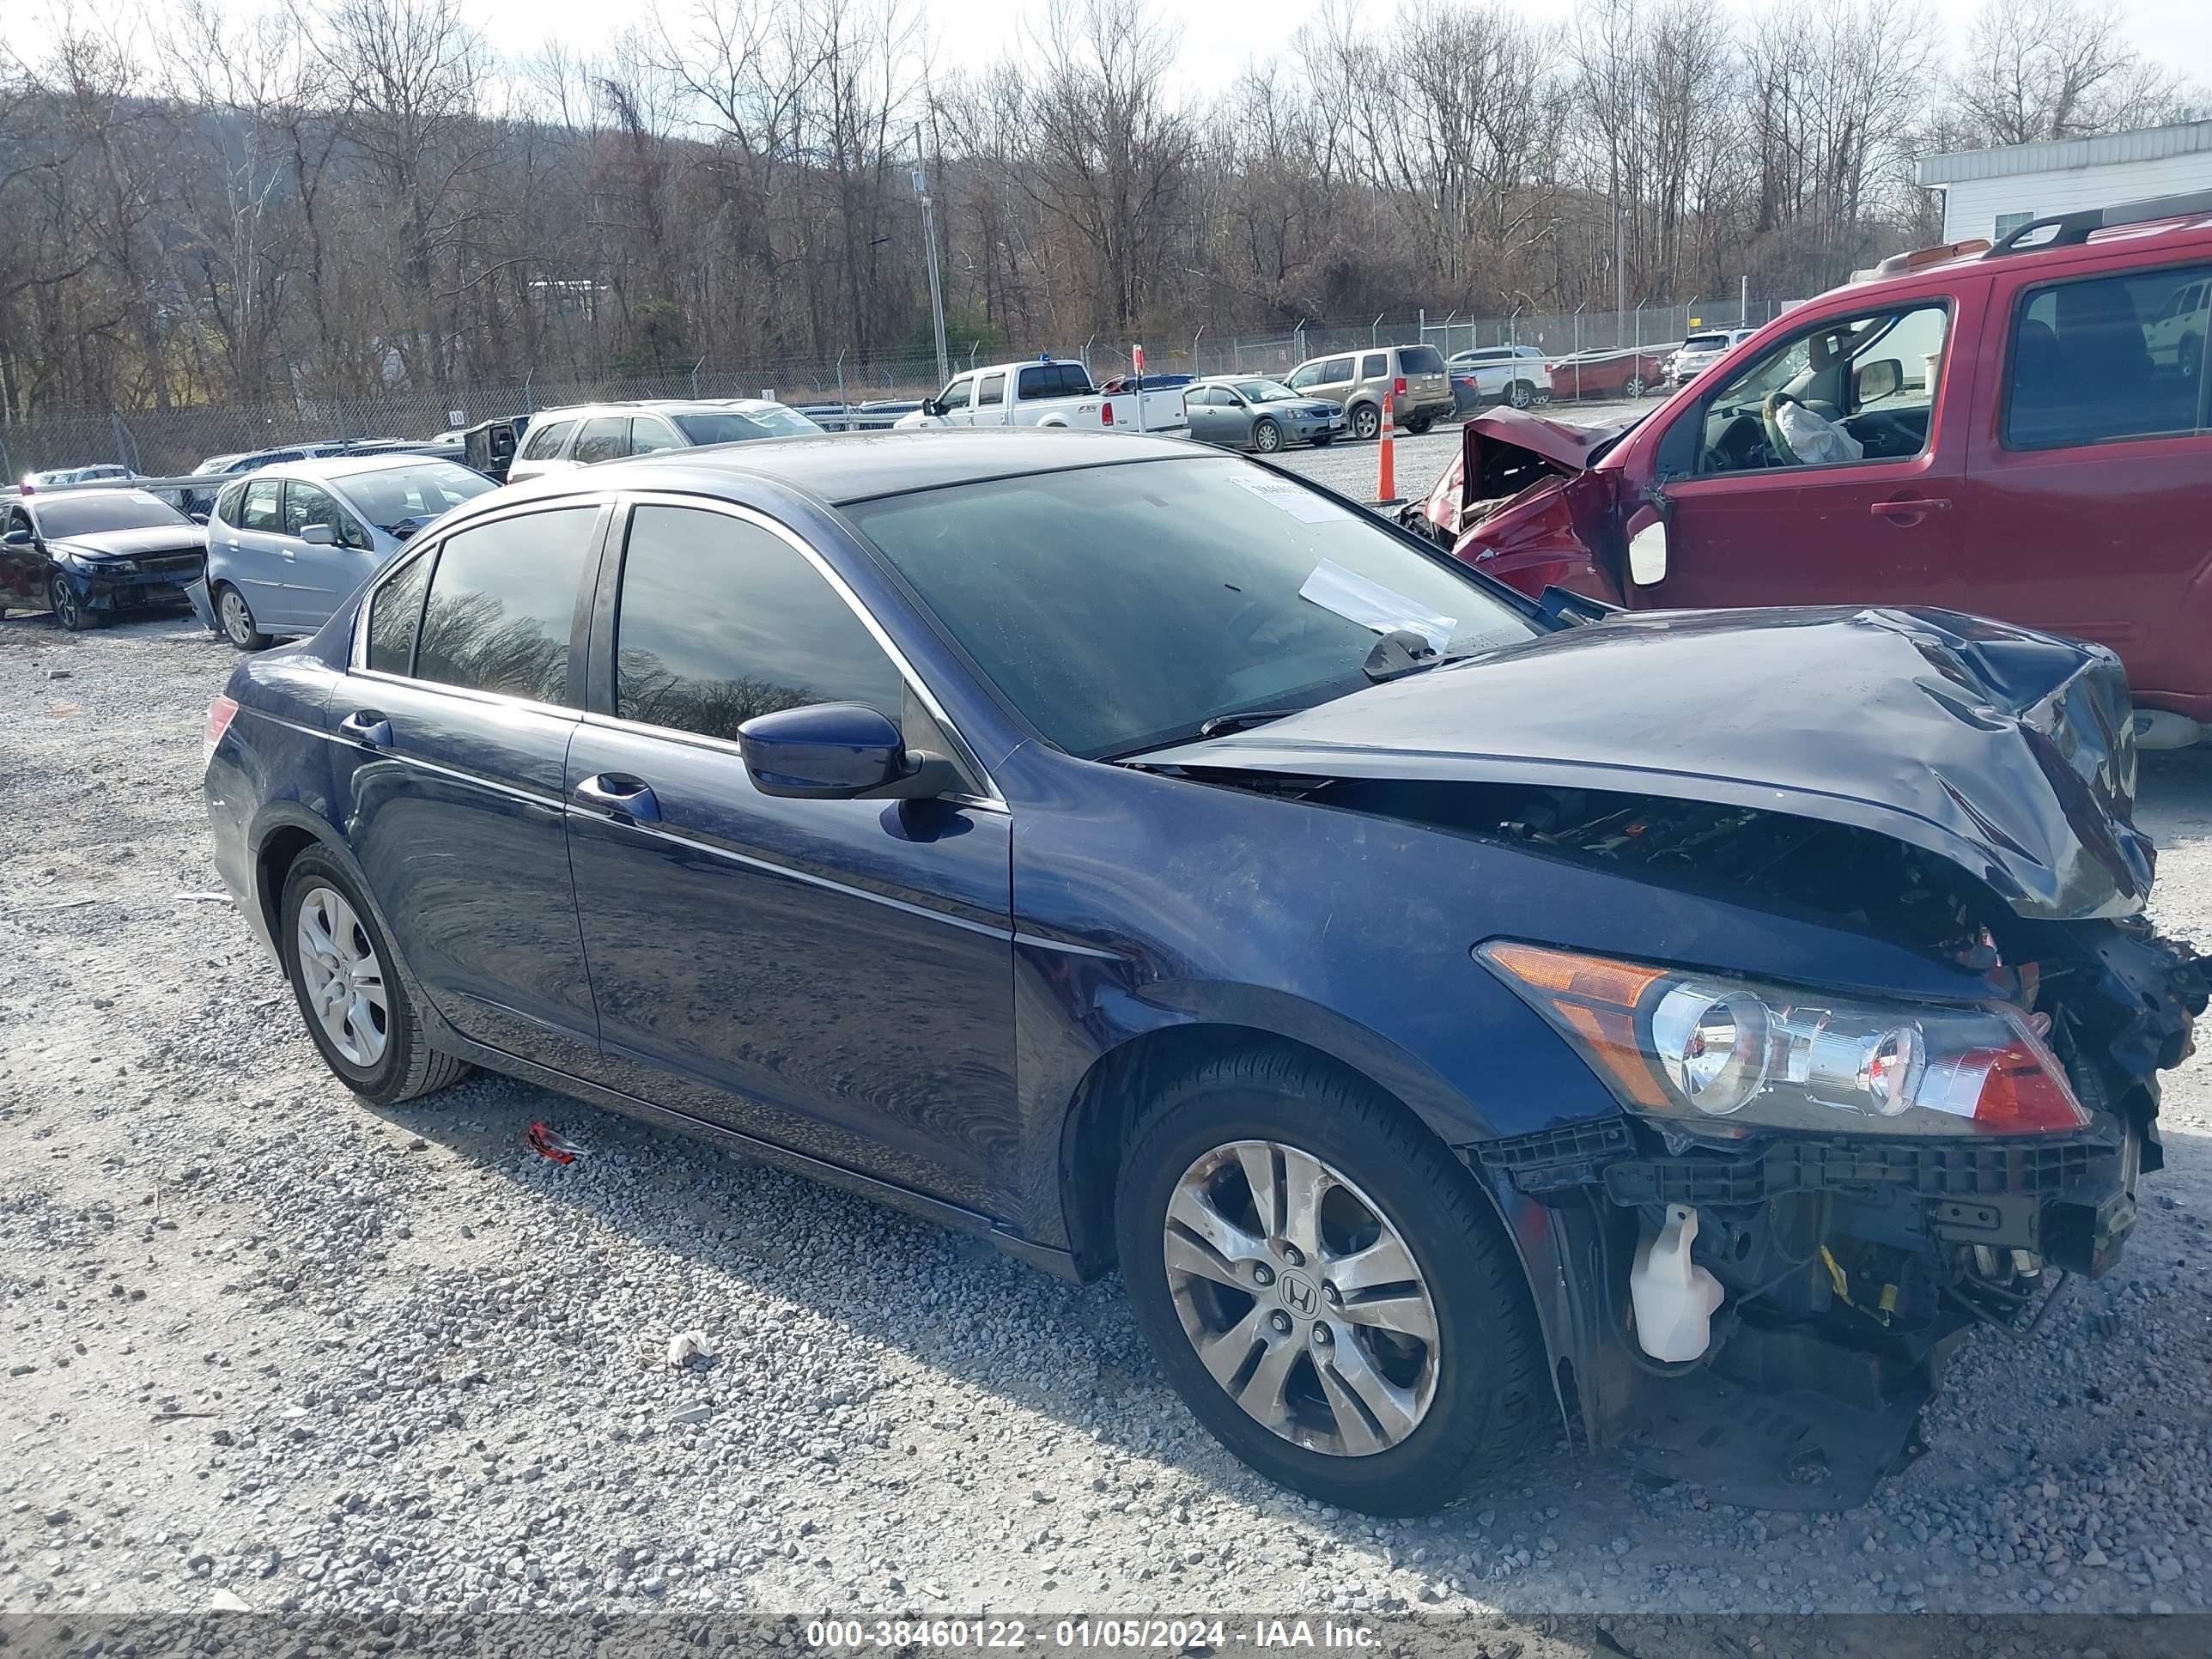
(1849, 1264)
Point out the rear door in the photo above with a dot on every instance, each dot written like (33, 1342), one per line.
(321, 578)
(990, 407)
(2089, 483)
(252, 553)
(833, 976)
(1756, 523)
(650, 434)
(455, 722)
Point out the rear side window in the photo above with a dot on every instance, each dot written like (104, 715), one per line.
(2110, 357)
(544, 442)
(991, 391)
(1074, 380)
(719, 621)
(502, 601)
(227, 504)
(605, 439)
(260, 510)
(305, 504)
(1420, 360)
(393, 616)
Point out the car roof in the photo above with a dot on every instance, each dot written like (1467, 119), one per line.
(634, 406)
(327, 468)
(853, 466)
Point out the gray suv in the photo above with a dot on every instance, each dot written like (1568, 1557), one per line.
(1356, 380)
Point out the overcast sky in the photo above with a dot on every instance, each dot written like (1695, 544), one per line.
(1217, 36)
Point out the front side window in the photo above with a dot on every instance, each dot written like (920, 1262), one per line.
(260, 510)
(502, 602)
(724, 426)
(544, 442)
(956, 396)
(606, 438)
(649, 434)
(393, 616)
(1168, 593)
(2111, 357)
(720, 620)
(1849, 389)
(305, 504)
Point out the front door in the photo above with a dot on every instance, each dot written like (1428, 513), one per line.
(2090, 483)
(322, 574)
(1829, 470)
(454, 744)
(832, 976)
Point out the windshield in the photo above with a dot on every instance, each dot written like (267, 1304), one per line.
(1120, 607)
(95, 511)
(781, 421)
(391, 495)
(1265, 392)
(725, 427)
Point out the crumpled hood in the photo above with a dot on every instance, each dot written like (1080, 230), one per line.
(130, 543)
(2007, 752)
(1566, 445)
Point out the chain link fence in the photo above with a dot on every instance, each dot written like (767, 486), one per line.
(172, 441)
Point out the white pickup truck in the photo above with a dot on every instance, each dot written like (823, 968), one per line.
(1046, 392)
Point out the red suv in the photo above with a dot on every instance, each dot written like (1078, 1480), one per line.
(2022, 431)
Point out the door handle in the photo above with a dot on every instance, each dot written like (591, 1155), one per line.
(620, 794)
(368, 728)
(1911, 508)
(290, 557)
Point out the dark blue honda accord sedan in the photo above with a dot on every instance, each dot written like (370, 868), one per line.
(1457, 1017)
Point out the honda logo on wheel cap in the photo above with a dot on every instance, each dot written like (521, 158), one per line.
(1298, 1294)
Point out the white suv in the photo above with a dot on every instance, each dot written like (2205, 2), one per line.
(1506, 375)
(560, 439)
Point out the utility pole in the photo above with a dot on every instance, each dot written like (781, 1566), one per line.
(929, 236)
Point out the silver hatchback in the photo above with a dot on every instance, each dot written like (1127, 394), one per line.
(289, 544)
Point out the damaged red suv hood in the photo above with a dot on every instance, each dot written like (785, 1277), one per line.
(1505, 451)
(2009, 752)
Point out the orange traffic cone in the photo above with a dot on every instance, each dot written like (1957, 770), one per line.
(1386, 487)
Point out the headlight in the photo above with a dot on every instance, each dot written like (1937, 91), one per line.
(1719, 1055)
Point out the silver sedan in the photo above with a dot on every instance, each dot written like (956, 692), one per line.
(1250, 412)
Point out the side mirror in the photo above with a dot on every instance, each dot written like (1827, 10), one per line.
(1646, 554)
(839, 751)
(1877, 380)
(932, 407)
(320, 535)
(17, 538)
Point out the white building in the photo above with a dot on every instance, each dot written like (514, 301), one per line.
(1989, 192)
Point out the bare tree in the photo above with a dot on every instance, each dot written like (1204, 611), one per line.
(2057, 68)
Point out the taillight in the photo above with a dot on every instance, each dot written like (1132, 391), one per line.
(1398, 386)
(220, 713)
(1106, 413)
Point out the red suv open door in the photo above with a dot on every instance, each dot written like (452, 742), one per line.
(1828, 468)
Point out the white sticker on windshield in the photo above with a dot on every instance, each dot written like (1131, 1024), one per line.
(1372, 605)
(1303, 504)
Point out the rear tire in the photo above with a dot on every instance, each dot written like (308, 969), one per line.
(358, 1002)
(1366, 421)
(1633, 387)
(1389, 1206)
(235, 618)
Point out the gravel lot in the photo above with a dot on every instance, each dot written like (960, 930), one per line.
(266, 1345)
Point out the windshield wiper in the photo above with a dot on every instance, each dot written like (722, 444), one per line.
(1222, 724)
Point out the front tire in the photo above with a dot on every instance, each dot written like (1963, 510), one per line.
(1266, 436)
(236, 616)
(1419, 424)
(1633, 387)
(1327, 1287)
(357, 1001)
(1521, 395)
(69, 610)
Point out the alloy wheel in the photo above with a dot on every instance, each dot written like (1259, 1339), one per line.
(1266, 436)
(69, 610)
(343, 980)
(1635, 387)
(237, 620)
(1365, 423)
(1301, 1299)
(1520, 396)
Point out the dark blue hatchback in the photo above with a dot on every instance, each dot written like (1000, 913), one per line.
(1454, 1015)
